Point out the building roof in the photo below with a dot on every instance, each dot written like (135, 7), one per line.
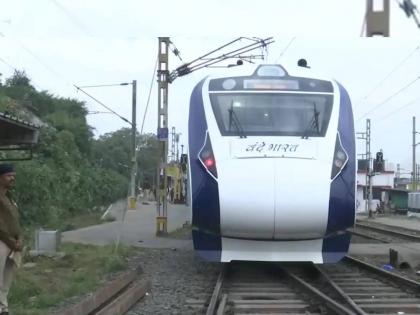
(397, 189)
(377, 186)
(17, 132)
(383, 172)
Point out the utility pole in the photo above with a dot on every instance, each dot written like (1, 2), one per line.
(418, 172)
(177, 146)
(164, 78)
(415, 172)
(131, 198)
(369, 173)
(413, 176)
(163, 74)
(133, 147)
(173, 135)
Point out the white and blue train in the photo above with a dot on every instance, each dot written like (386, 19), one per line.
(272, 166)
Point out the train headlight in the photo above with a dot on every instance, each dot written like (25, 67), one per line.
(270, 71)
(340, 158)
(206, 157)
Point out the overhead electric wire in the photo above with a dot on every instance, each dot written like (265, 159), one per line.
(43, 63)
(16, 70)
(363, 24)
(285, 49)
(70, 16)
(107, 107)
(39, 60)
(7, 64)
(148, 98)
(102, 85)
(390, 73)
(389, 98)
(398, 109)
(205, 62)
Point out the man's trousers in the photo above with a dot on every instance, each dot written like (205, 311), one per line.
(7, 272)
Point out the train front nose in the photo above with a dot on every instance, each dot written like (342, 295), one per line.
(302, 199)
(247, 199)
(275, 200)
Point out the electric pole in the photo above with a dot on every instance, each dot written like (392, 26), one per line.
(415, 173)
(173, 135)
(133, 147)
(162, 181)
(164, 78)
(177, 146)
(368, 187)
(369, 173)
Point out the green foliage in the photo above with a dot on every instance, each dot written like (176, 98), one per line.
(36, 290)
(71, 173)
(113, 151)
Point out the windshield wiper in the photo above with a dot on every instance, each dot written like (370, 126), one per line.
(313, 124)
(233, 120)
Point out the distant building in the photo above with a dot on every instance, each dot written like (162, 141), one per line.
(381, 183)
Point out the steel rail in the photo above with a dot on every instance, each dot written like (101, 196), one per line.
(333, 305)
(390, 232)
(358, 233)
(344, 295)
(211, 309)
(394, 277)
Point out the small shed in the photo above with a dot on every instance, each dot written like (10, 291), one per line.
(16, 134)
(398, 199)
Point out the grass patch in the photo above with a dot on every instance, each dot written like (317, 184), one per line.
(51, 281)
(81, 220)
(184, 233)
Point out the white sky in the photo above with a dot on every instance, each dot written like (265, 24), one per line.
(86, 42)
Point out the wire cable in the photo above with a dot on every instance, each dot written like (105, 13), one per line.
(107, 107)
(398, 109)
(362, 31)
(390, 73)
(285, 49)
(16, 70)
(71, 17)
(7, 64)
(389, 98)
(148, 98)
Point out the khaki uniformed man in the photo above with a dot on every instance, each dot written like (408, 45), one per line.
(10, 235)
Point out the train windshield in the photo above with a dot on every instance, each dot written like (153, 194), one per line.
(272, 114)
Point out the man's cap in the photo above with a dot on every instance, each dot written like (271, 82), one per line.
(6, 168)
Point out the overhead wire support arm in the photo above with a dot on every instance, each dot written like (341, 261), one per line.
(233, 54)
(99, 102)
(206, 61)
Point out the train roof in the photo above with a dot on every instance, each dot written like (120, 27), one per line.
(290, 70)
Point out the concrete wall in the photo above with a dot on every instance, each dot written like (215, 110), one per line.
(382, 179)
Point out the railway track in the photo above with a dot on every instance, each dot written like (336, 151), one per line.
(349, 287)
(385, 234)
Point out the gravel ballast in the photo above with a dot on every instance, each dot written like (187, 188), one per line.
(177, 276)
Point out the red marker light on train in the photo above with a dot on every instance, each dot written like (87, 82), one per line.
(209, 162)
(207, 159)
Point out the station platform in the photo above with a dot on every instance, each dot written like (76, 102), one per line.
(135, 227)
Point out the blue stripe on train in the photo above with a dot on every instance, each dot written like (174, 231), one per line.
(205, 190)
(341, 213)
